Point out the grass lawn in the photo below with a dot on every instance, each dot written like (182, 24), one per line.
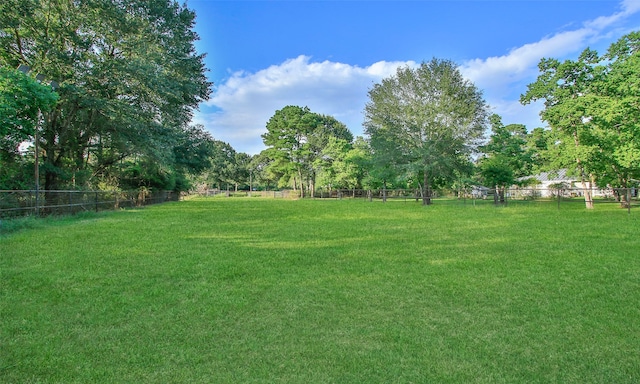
(319, 291)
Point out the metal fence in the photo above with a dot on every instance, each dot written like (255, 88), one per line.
(29, 202)
(284, 194)
(626, 197)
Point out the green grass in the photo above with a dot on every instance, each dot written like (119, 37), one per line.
(278, 291)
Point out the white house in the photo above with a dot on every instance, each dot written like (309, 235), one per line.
(549, 182)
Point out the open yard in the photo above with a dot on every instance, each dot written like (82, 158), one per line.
(324, 291)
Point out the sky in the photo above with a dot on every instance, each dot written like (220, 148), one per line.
(263, 55)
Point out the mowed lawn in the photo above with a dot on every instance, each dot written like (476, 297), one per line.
(324, 291)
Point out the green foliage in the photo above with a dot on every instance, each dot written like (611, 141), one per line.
(509, 144)
(496, 172)
(508, 155)
(130, 79)
(295, 140)
(220, 174)
(22, 98)
(287, 144)
(538, 146)
(591, 106)
(424, 122)
(339, 165)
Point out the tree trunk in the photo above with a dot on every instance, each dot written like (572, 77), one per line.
(301, 183)
(426, 194)
(588, 198)
(624, 197)
(312, 187)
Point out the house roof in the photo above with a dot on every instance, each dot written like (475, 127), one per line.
(559, 175)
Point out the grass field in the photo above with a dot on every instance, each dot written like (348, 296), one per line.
(278, 291)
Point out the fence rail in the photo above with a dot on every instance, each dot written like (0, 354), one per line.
(17, 203)
(627, 197)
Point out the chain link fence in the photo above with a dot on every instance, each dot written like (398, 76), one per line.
(29, 202)
(625, 197)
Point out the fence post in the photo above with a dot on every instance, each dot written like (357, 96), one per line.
(96, 201)
(37, 207)
(558, 198)
(629, 201)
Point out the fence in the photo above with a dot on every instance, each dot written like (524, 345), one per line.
(284, 194)
(626, 197)
(28, 202)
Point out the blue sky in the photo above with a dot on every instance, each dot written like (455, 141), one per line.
(265, 55)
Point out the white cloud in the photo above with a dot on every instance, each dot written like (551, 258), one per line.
(241, 106)
(246, 101)
(630, 7)
(503, 78)
(521, 62)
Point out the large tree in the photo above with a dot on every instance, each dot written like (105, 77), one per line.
(295, 139)
(129, 80)
(616, 113)
(427, 119)
(566, 89)
(591, 105)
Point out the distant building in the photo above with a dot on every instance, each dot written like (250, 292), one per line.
(549, 183)
(480, 192)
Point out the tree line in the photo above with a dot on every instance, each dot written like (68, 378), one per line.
(127, 79)
(425, 128)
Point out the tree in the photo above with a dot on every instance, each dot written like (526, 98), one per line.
(591, 106)
(509, 143)
(538, 146)
(22, 101)
(130, 79)
(338, 165)
(566, 89)
(506, 156)
(327, 130)
(221, 172)
(287, 145)
(616, 116)
(295, 139)
(241, 170)
(192, 154)
(428, 120)
(496, 172)
(259, 168)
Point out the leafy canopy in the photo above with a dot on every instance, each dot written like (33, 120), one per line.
(425, 121)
